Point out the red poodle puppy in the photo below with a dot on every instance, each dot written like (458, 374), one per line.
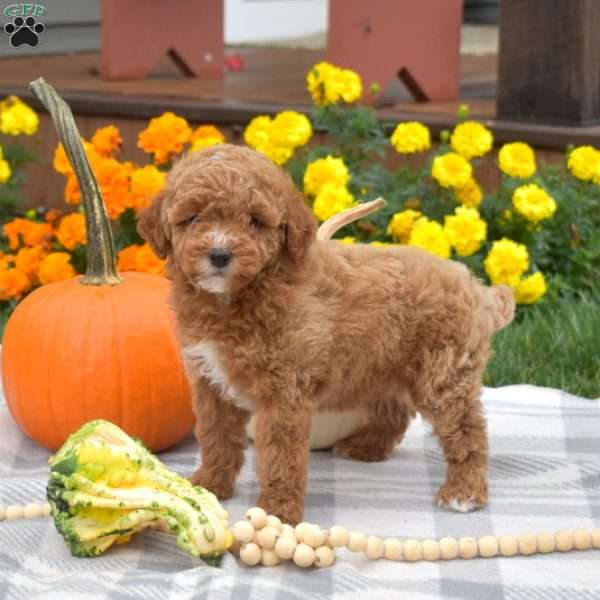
(277, 324)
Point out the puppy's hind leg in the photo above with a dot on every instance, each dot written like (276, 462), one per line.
(376, 440)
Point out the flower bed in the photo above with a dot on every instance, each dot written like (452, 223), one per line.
(538, 232)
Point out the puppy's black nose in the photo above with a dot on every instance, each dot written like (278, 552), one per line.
(219, 257)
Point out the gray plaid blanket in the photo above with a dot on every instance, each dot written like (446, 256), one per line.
(544, 475)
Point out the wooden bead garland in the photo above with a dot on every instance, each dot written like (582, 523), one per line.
(263, 539)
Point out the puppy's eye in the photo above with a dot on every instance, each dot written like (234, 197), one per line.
(255, 222)
(190, 220)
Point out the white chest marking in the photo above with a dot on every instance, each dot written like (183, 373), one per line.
(203, 359)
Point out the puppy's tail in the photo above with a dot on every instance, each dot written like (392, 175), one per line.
(503, 306)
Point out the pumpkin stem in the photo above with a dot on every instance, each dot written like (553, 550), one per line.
(101, 254)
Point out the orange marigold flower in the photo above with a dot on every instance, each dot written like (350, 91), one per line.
(6, 260)
(107, 140)
(71, 231)
(13, 284)
(61, 163)
(145, 184)
(28, 261)
(53, 215)
(165, 137)
(140, 258)
(56, 266)
(204, 136)
(23, 231)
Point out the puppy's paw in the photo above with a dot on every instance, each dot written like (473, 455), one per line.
(289, 511)
(459, 499)
(220, 486)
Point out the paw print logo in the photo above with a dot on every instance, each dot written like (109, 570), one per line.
(24, 32)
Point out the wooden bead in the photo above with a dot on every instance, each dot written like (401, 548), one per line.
(324, 557)
(46, 511)
(2, 513)
(467, 547)
(14, 512)
(564, 540)
(392, 549)
(304, 556)
(374, 547)
(338, 537)
(596, 538)
(314, 536)
(285, 546)
(273, 521)
(431, 550)
(267, 537)
(288, 530)
(33, 511)
(582, 539)
(269, 558)
(257, 516)
(488, 546)
(527, 544)
(546, 543)
(357, 541)
(250, 554)
(448, 548)
(300, 529)
(508, 545)
(243, 531)
(413, 550)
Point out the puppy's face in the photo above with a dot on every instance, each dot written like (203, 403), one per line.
(226, 214)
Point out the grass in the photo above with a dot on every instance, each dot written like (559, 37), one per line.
(554, 346)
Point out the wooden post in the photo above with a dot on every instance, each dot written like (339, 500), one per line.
(549, 64)
(137, 33)
(415, 40)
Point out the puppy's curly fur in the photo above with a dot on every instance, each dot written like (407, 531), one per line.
(291, 326)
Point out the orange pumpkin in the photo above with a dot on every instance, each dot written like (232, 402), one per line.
(99, 346)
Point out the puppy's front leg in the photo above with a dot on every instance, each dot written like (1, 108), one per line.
(282, 451)
(221, 432)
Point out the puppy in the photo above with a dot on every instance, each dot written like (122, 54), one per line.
(276, 324)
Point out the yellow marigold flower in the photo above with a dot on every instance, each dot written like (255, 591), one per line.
(506, 262)
(17, 118)
(56, 266)
(71, 231)
(451, 170)
(533, 202)
(140, 258)
(517, 160)
(349, 239)
(465, 230)
(530, 289)
(429, 235)
(28, 260)
(411, 137)
(471, 139)
(5, 171)
(402, 223)
(328, 84)
(331, 200)
(325, 171)
(259, 135)
(584, 163)
(165, 137)
(146, 183)
(205, 136)
(290, 128)
(379, 244)
(107, 140)
(13, 284)
(469, 195)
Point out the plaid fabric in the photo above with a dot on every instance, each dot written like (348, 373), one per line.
(544, 475)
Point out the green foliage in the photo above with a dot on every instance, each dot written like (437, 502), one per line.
(12, 201)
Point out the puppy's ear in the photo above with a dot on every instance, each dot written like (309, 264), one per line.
(152, 227)
(300, 228)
